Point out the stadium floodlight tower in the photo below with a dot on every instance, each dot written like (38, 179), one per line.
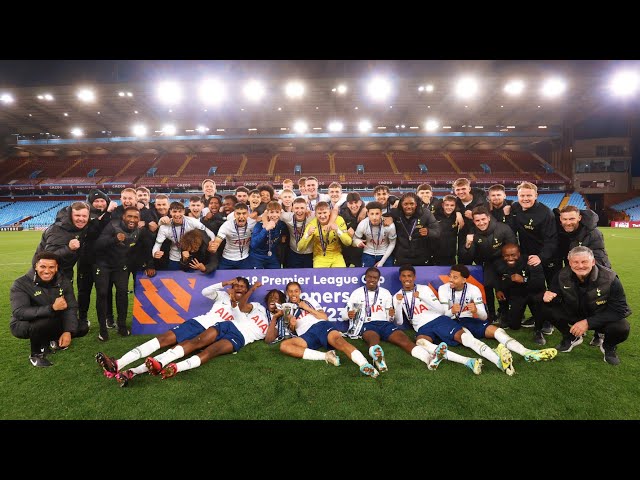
(514, 88)
(300, 126)
(336, 126)
(379, 89)
(86, 95)
(553, 87)
(466, 87)
(625, 84)
(294, 89)
(364, 126)
(169, 93)
(254, 90)
(431, 125)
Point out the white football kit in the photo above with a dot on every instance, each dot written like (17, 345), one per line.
(419, 311)
(471, 294)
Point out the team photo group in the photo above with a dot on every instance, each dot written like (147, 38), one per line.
(552, 261)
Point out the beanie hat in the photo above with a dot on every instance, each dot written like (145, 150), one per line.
(95, 194)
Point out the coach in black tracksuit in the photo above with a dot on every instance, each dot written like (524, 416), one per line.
(116, 250)
(44, 308)
(485, 249)
(519, 285)
(66, 236)
(585, 296)
(414, 229)
(538, 235)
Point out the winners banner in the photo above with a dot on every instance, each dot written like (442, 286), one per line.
(172, 297)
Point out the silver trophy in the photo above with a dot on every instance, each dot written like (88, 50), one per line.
(287, 310)
(355, 323)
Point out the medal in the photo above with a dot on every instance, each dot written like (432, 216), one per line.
(297, 233)
(413, 227)
(175, 233)
(377, 243)
(269, 253)
(240, 239)
(409, 308)
(323, 244)
(453, 300)
(366, 301)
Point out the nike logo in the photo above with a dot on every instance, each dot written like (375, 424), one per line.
(451, 332)
(566, 287)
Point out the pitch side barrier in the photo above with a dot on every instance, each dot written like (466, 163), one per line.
(172, 297)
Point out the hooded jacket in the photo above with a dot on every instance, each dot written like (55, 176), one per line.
(56, 239)
(586, 235)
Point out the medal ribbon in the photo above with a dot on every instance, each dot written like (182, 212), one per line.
(366, 300)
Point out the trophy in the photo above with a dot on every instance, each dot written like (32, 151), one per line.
(355, 324)
(287, 310)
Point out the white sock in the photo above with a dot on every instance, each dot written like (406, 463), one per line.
(481, 348)
(431, 348)
(170, 355)
(141, 351)
(457, 358)
(511, 343)
(140, 369)
(421, 354)
(188, 364)
(358, 358)
(312, 354)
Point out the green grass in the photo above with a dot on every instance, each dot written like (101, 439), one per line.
(261, 383)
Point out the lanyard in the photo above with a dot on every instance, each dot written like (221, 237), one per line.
(240, 240)
(323, 243)
(413, 227)
(409, 308)
(298, 233)
(462, 296)
(366, 300)
(377, 243)
(269, 242)
(175, 232)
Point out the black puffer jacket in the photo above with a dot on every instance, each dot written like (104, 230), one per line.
(112, 253)
(32, 299)
(586, 235)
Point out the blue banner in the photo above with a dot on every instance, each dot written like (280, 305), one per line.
(172, 297)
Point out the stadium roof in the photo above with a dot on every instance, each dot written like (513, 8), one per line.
(114, 110)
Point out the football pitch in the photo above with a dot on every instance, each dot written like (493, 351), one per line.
(261, 383)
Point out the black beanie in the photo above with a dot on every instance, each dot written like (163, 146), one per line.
(93, 194)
